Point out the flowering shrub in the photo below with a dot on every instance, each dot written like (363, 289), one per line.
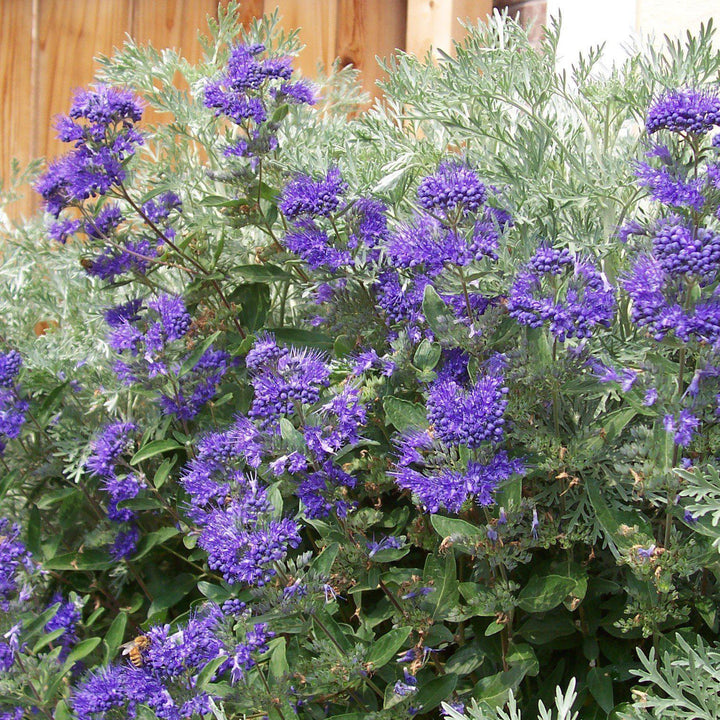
(412, 414)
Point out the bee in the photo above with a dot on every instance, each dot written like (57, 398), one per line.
(86, 263)
(135, 648)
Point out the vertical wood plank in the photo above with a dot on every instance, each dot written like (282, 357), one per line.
(249, 10)
(172, 24)
(366, 29)
(318, 22)
(434, 23)
(71, 33)
(17, 116)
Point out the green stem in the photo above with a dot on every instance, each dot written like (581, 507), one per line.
(39, 699)
(162, 236)
(339, 648)
(270, 695)
(392, 598)
(466, 294)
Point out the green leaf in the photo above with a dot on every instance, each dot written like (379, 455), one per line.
(48, 499)
(254, 299)
(523, 656)
(154, 538)
(291, 435)
(431, 694)
(446, 589)
(166, 595)
(278, 665)
(261, 273)
(601, 687)
(344, 345)
(147, 502)
(163, 472)
(544, 592)
(460, 532)
(325, 625)
(62, 712)
(207, 673)
(541, 629)
(114, 636)
(89, 559)
(219, 201)
(45, 640)
(494, 628)
(194, 357)
(323, 563)
(384, 649)
(427, 355)
(494, 689)
(216, 593)
(154, 448)
(623, 528)
(81, 650)
(94, 616)
(280, 113)
(50, 403)
(33, 531)
(7, 480)
(309, 338)
(436, 312)
(404, 414)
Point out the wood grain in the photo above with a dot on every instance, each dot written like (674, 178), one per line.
(249, 10)
(47, 47)
(434, 23)
(367, 29)
(18, 91)
(70, 34)
(172, 24)
(317, 20)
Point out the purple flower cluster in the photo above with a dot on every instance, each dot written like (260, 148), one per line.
(284, 379)
(14, 557)
(314, 246)
(422, 471)
(241, 539)
(306, 198)
(459, 417)
(681, 250)
(401, 301)
(288, 384)
(454, 229)
(673, 285)
(327, 232)
(454, 188)
(536, 296)
(666, 187)
(660, 303)
(369, 359)
(682, 427)
(122, 250)
(428, 243)
(173, 659)
(468, 417)
(147, 342)
(66, 619)
(12, 406)
(238, 529)
(103, 142)
(687, 110)
(110, 445)
(249, 92)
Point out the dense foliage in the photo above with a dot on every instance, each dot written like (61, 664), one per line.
(310, 413)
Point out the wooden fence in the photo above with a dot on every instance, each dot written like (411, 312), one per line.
(47, 48)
